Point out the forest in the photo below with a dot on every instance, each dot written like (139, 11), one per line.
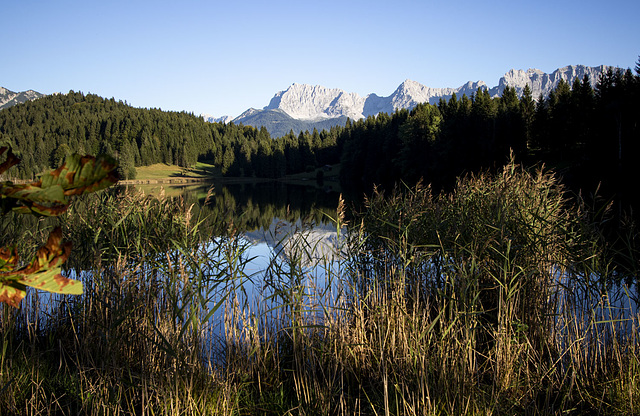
(588, 135)
(44, 131)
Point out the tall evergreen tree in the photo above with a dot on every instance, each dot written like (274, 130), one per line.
(527, 109)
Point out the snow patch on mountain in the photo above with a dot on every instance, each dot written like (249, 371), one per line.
(212, 119)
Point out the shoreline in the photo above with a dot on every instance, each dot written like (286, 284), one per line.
(187, 181)
(177, 181)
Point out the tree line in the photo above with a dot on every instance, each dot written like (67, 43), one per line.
(588, 134)
(42, 132)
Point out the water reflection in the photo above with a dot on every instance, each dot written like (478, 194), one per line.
(249, 207)
(310, 243)
(290, 252)
(283, 226)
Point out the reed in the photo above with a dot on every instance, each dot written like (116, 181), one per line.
(499, 281)
(494, 299)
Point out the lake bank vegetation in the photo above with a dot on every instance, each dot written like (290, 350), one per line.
(494, 298)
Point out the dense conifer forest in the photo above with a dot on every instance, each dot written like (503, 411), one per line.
(589, 135)
(45, 130)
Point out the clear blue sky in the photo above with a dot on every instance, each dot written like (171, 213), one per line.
(221, 58)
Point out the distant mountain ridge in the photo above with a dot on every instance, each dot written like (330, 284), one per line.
(213, 119)
(542, 83)
(306, 106)
(10, 98)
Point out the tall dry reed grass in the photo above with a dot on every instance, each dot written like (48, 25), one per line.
(493, 299)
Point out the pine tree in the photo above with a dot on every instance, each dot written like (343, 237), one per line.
(527, 109)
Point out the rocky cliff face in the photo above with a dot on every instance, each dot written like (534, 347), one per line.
(10, 98)
(411, 93)
(313, 103)
(541, 83)
(308, 102)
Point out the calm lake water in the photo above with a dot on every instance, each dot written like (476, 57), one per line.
(280, 225)
(273, 215)
(253, 206)
(279, 222)
(265, 213)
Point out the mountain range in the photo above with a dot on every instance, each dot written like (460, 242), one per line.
(305, 107)
(10, 98)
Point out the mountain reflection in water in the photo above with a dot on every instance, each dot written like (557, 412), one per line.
(311, 243)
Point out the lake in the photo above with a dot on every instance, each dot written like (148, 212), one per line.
(289, 245)
(276, 219)
(281, 225)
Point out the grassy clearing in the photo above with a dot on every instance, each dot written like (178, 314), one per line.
(167, 191)
(493, 299)
(164, 171)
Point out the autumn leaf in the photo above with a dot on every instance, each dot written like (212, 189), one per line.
(81, 174)
(43, 272)
(10, 161)
(8, 258)
(12, 293)
(50, 195)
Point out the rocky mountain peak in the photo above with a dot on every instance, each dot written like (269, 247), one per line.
(212, 119)
(312, 102)
(410, 85)
(9, 98)
(541, 83)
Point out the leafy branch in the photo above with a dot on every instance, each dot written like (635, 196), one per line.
(49, 196)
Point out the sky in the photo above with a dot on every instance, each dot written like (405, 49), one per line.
(223, 57)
